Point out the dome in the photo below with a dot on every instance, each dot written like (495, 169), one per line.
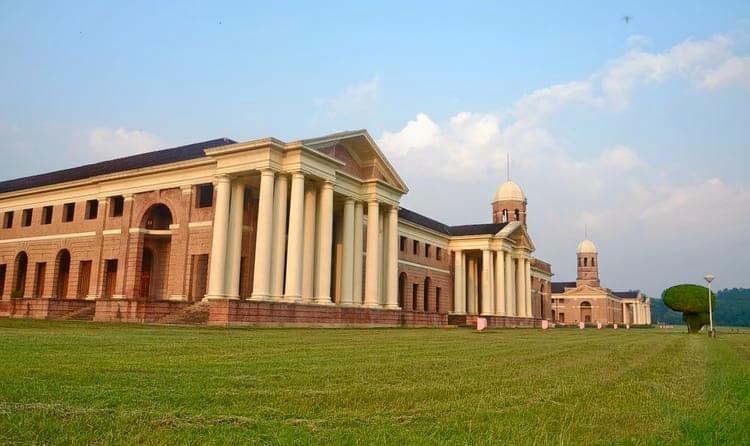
(509, 191)
(586, 246)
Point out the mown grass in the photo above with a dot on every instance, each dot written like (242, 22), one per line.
(89, 383)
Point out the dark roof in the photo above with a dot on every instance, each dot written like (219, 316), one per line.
(148, 159)
(489, 228)
(559, 287)
(627, 294)
(421, 220)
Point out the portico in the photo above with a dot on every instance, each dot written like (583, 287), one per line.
(492, 273)
(312, 212)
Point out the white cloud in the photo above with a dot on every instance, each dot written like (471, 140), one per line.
(416, 135)
(735, 70)
(106, 143)
(356, 98)
(628, 205)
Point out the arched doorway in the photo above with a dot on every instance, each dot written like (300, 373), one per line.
(147, 267)
(585, 312)
(401, 289)
(63, 274)
(19, 284)
(155, 257)
(426, 294)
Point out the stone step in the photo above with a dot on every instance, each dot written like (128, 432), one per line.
(196, 314)
(83, 314)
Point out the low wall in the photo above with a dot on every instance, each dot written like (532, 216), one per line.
(470, 320)
(5, 307)
(131, 310)
(38, 308)
(224, 312)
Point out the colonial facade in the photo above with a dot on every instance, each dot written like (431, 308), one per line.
(585, 300)
(260, 232)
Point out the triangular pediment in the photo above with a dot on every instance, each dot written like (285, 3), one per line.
(360, 154)
(586, 289)
(517, 232)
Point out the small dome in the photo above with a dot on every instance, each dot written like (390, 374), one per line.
(509, 191)
(586, 246)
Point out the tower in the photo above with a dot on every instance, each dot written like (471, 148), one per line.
(509, 204)
(588, 264)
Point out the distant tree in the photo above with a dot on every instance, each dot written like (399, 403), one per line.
(692, 301)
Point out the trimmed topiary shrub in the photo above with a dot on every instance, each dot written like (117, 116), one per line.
(692, 301)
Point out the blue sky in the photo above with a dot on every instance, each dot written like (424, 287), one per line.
(638, 130)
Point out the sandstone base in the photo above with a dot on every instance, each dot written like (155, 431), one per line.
(131, 310)
(39, 308)
(470, 320)
(278, 314)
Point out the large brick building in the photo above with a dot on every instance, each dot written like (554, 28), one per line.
(585, 300)
(260, 232)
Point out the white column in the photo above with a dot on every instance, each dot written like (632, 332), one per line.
(347, 256)
(234, 247)
(295, 239)
(458, 283)
(262, 268)
(372, 276)
(383, 256)
(509, 288)
(358, 239)
(471, 288)
(279, 237)
(325, 235)
(527, 284)
(392, 271)
(216, 274)
(520, 290)
(499, 283)
(308, 243)
(486, 282)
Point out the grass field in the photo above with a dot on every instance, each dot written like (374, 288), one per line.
(84, 383)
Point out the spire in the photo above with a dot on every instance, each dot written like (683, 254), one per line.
(507, 165)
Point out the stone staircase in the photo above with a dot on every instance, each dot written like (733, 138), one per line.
(83, 314)
(196, 314)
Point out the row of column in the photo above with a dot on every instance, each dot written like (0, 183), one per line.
(505, 283)
(293, 262)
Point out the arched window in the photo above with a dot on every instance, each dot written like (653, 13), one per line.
(414, 292)
(505, 215)
(585, 261)
(426, 294)
(158, 217)
(401, 289)
(63, 272)
(19, 285)
(517, 215)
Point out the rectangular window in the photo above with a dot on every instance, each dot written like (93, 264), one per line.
(402, 242)
(562, 317)
(92, 209)
(8, 220)
(84, 278)
(427, 250)
(69, 210)
(205, 195)
(41, 267)
(26, 217)
(437, 298)
(438, 253)
(415, 249)
(46, 215)
(117, 204)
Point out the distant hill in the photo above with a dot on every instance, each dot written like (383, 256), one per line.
(732, 308)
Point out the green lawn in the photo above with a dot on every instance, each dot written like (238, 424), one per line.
(84, 383)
